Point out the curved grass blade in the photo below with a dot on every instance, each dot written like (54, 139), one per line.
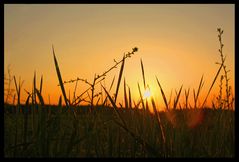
(60, 102)
(119, 79)
(141, 98)
(142, 68)
(41, 83)
(130, 101)
(125, 96)
(61, 83)
(40, 97)
(28, 98)
(114, 106)
(59, 78)
(164, 97)
(74, 94)
(33, 90)
(198, 91)
(109, 90)
(18, 90)
(200, 86)
(186, 97)
(143, 74)
(215, 78)
(177, 98)
(158, 120)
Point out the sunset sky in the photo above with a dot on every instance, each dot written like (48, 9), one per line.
(177, 43)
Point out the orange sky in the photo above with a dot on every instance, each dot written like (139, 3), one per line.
(177, 43)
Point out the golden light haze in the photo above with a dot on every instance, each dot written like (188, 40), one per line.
(177, 43)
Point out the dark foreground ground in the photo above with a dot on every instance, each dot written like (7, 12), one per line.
(49, 131)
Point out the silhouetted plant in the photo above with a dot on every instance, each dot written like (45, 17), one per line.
(227, 98)
(97, 79)
(222, 65)
(7, 85)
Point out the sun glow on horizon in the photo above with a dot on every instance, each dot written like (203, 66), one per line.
(147, 93)
(81, 51)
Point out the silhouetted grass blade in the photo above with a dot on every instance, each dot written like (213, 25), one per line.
(40, 97)
(177, 98)
(125, 96)
(114, 106)
(111, 85)
(158, 120)
(164, 97)
(41, 84)
(142, 68)
(141, 98)
(214, 80)
(119, 79)
(130, 102)
(59, 78)
(61, 83)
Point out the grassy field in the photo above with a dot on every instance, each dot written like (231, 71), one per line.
(105, 129)
(51, 133)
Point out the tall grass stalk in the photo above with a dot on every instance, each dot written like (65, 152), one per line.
(198, 91)
(144, 81)
(18, 90)
(61, 83)
(111, 85)
(177, 97)
(227, 100)
(186, 97)
(162, 92)
(141, 98)
(115, 107)
(8, 89)
(221, 66)
(34, 105)
(158, 120)
(125, 96)
(119, 79)
(130, 100)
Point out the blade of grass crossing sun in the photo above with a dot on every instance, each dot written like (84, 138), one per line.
(61, 82)
(119, 79)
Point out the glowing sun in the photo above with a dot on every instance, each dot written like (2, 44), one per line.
(147, 93)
